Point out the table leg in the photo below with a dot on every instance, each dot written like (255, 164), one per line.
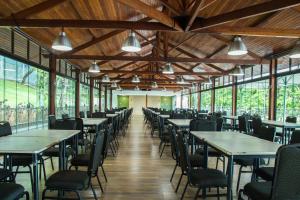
(76, 144)
(205, 153)
(62, 155)
(35, 177)
(229, 177)
(283, 135)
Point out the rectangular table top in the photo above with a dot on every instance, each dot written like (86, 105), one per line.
(231, 117)
(234, 143)
(184, 123)
(34, 141)
(165, 116)
(281, 124)
(111, 115)
(93, 121)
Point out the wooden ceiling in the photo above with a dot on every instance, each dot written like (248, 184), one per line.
(188, 33)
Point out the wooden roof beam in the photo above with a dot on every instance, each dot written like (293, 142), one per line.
(255, 10)
(152, 12)
(170, 7)
(155, 72)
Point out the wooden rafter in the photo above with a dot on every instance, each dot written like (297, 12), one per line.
(170, 7)
(152, 12)
(260, 9)
(155, 72)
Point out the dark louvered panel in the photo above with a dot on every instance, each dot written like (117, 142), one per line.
(5, 39)
(34, 52)
(20, 47)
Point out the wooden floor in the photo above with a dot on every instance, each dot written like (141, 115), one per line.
(137, 172)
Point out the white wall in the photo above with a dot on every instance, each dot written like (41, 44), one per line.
(137, 103)
(153, 101)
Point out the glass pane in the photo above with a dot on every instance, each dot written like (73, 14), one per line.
(84, 97)
(205, 101)
(223, 100)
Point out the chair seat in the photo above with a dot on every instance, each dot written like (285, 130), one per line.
(244, 162)
(196, 160)
(21, 160)
(208, 178)
(5, 173)
(211, 152)
(81, 160)
(54, 152)
(11, 191)
(258, 190)
(265, 173)
(68, 180)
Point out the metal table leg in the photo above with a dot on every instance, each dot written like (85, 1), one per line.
(62, 155)
(205, 151)
(229, 177)
(35, 176)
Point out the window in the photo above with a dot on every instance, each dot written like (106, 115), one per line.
(253, 98)
(84, 97)
(186, 101)
(206, 100)
(102, 99)
(223, 100)
(108, 99)
(194, 100)
(65, 96)
(288, 97)
(23, 95)
(96, 99)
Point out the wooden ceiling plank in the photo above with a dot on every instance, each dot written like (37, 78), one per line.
(152, 12)
(259, 9)
(38, 8)
(170, 7)
(154, 72)
(182, 42)
(198, 6)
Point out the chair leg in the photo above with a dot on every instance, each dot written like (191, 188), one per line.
(239, 178)
(218, 193)
(173, 172)
(78, 195)
(197, 194)
(179, 182)
(52, 165)
(98, 179)
(182, 196)
(217, 163)
(31, 176)
(44, 169)
(104, 173)
(44, 193)
(94, 193)
(162, 151)
(26, 195)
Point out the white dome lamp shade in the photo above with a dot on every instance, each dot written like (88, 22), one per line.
(105, 79)
(295, 52)
(119, 88)
(208, 82)
(131, 44)
(135, 79)
(237, 47)
(237, 71)
(114, 85)
(180, 80)
(137, 88)
(168, 69)
(154, 85)
(164, 89)
(62, 42)
(94, 68)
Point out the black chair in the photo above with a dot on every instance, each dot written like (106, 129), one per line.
(200, 178)
(164, 135)
(88, 114)
(65, 116)
(75, 181)
(82, 136)
(98, 115)
(267, 173)
(175, 115)
(256, 124)
(51, 121)
(285, 184)
(12, 191)
(81, 114)
(244, 124)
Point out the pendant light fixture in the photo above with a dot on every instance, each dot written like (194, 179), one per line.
(137, 88)
(237, 71)
(94, 68)
(168, 69)
(105, 79)
(114, 85)
(62, 42)
(180, 80)
(237, 47)
(164, 89)
(208, 82)
(135, 79)
(295, 52)
(131, 44)
(154, 84)
(119, 88)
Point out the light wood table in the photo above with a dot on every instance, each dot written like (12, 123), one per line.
(180, 123)
(236, 145)
(165, 116)
(34, 142)
(111, 115)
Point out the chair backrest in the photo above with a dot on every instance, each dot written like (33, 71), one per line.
(96, 154)
(65, 116)
(291, 119)
(65, 124)
(5, 128)
(243, 123)
(295, 139)
(98, 115)
(51, 121)
(267, 133)
(88, 114)
(287, 174)
(178, 116)
(203, 125)
(81, 114)
(256, 124)
(184, 161)
(219, 122)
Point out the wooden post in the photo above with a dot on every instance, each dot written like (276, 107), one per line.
(234, 96)
(213, 96)
(91, 95)
(199, 100)
(105, 97)
(52, 84)
(77, 94)
(272, 89)
(110, 98)
(100, 97)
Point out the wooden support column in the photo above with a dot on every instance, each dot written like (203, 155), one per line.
(100, 99)
(272, 89)
(110, 98)
(52, 84)
(199, 100)
(213, 96)
(234, 96)
(91, 95)
(190, 99)
(77, 94)
(105, 98)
